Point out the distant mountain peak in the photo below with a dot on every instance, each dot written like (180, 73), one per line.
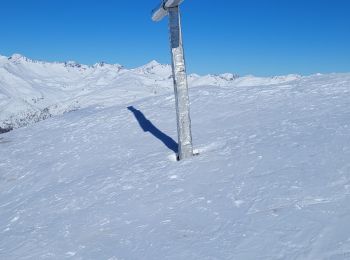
(152, 64)
(100, 64)
(154, 67)
(16, 57)
(228, 76)
(72, 64)
(103, 64)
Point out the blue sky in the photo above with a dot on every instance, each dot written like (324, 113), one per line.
(260, 37)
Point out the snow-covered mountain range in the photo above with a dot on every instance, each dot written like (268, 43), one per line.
(31, 90)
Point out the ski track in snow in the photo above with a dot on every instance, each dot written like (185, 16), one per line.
(271, 181)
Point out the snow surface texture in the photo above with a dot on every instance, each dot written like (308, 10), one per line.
(272, 180)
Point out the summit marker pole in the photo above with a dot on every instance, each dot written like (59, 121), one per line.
(171, 8)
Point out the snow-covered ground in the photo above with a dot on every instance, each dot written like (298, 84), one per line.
(272, 180)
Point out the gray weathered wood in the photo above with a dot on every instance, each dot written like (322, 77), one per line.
(180, 85)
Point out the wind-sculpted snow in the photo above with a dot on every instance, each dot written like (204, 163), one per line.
(31, 91)
(272, 180)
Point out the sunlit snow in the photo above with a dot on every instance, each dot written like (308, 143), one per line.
(272, 180)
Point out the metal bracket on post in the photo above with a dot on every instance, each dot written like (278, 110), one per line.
(171, 8)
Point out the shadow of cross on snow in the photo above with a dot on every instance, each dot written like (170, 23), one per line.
(147, 126)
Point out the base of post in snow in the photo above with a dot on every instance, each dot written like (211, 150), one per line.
(195, 153)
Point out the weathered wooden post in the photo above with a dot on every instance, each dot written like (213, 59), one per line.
(171, 8)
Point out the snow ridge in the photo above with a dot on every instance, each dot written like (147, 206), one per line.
(31, 90)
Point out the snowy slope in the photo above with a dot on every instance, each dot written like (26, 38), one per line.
(272, 180)
(31, 91)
